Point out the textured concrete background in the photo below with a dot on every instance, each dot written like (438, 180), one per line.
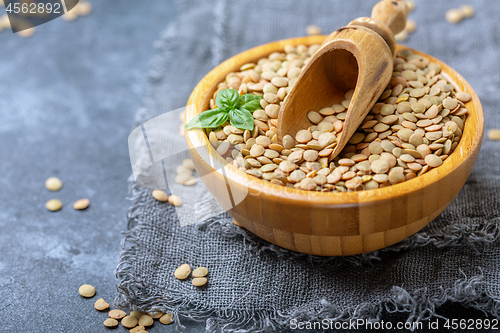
(68, 96)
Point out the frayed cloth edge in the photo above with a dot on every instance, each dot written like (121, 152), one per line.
(133, 293)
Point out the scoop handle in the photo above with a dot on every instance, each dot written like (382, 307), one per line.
(388, 18)
(392, 13)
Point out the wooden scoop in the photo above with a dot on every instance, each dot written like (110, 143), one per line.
(360, 57)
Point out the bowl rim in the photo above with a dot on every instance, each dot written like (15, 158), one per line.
(197, 138)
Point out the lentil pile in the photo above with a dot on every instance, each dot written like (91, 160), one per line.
(414, 127)
(134, 322)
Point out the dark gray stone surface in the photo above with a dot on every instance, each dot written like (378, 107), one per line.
(68, 96)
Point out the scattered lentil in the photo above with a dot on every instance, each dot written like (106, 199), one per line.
(411, 25)
(101, 304)
(494, 134)
(145, 320)
(136, 314)
(116, 314)
(467, 11)
(86, 290)
(175, 200)
(160, 195)
(410, 4)
(199, 281)
(182, 271)
(200, 272)
(53, 184)
(454, 15)
(129, 321)
(155, 314)
(312, 30)
(190, 182)
(53, 205)
(110, 322)
(185, 170)
(401, 36)
(26, 33)
(181, 178)
(81, 204)
(138, 329)
(4, 21)
(82, 8)
(166, 319)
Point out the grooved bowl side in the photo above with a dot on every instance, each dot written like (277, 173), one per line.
(331, 224)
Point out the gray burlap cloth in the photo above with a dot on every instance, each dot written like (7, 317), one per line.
(255, 286)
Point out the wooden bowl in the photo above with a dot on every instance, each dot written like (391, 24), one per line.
(330, 224)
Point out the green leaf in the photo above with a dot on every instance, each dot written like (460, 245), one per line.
(252, 106)
(208, 119)
(227, 99)
(241, 118)
(249, 97)
(250, 102)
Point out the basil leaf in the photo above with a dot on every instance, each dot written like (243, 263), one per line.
(252, 106)
(241, 118)
(250, 102)
(248, 98)
(208, 119)
(227, 99)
